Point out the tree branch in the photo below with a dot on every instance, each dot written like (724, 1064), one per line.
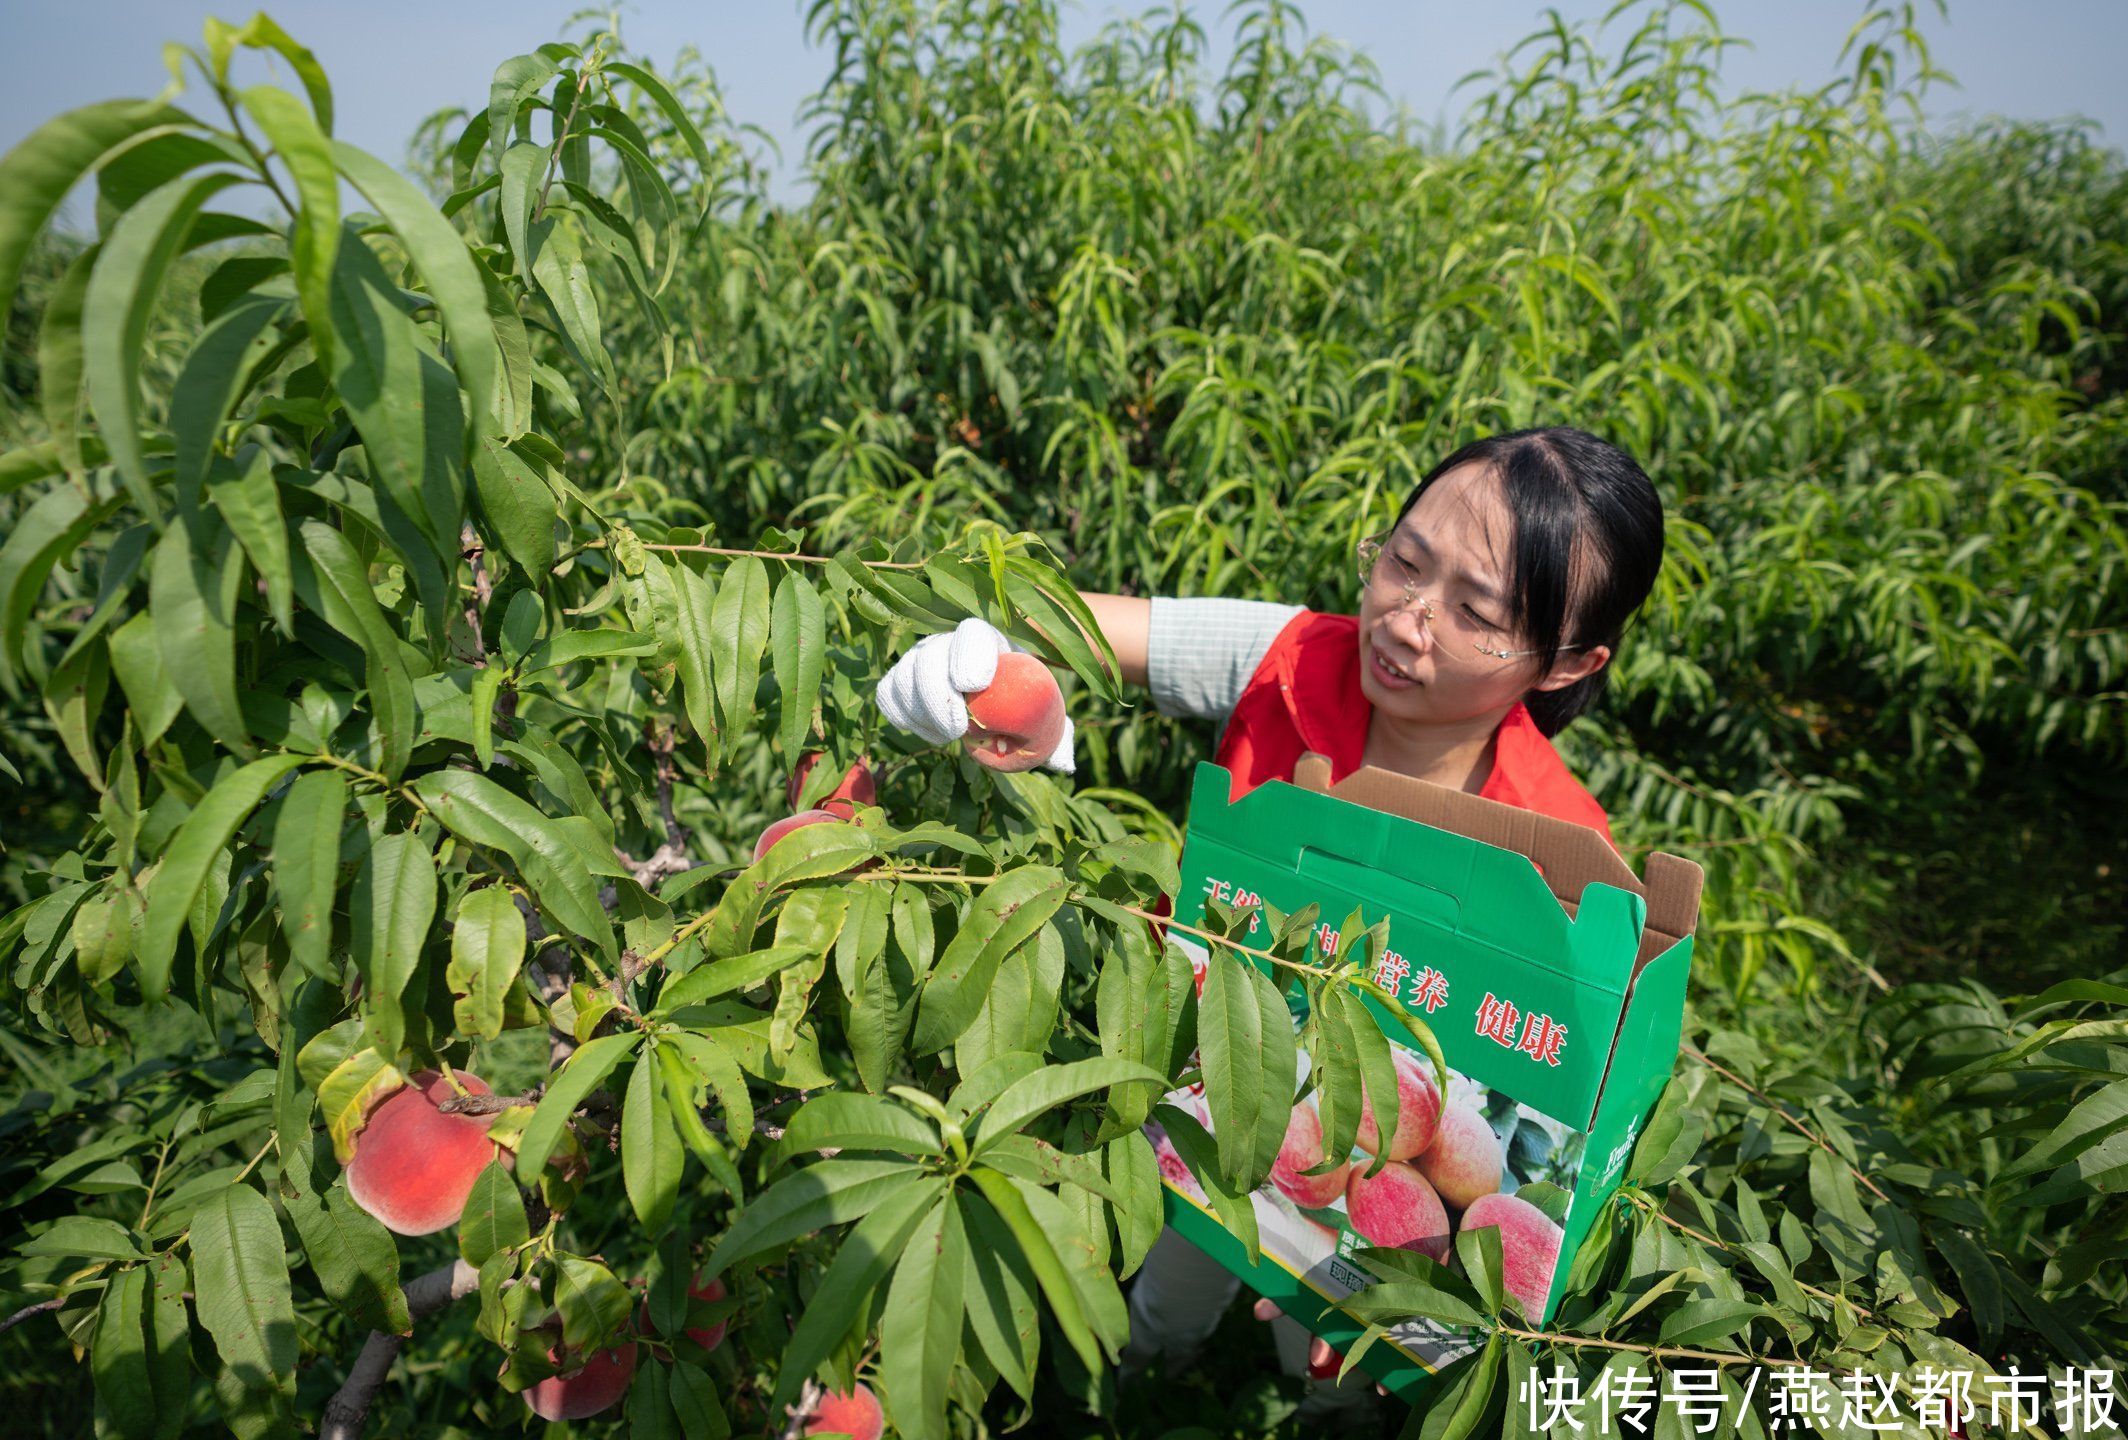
(348, 1409)
(809, 1397)
(29, 1312)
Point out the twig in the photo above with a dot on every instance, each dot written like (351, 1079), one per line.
(1705, 1239)
(29, 1312)
(349, 1406)
(1781, 1110)
(810, 1395)
(470, 547)
(487, 1104)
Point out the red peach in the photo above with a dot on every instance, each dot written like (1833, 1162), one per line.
(855, 1413)
(789, 823)
(1464, 1161)
(1303, 1150)
(1016, 723)
(586, 1390)
(1398, 1209)
(414, 1165)
(1529, 1246)
(854, 789)
(1418, 1110)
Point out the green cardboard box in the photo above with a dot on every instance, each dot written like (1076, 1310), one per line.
(1553, 977)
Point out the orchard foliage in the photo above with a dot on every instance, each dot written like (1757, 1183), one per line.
(428, 600)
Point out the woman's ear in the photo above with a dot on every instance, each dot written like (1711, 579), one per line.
(1575, 666)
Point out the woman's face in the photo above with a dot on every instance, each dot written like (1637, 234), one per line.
(1457, 541)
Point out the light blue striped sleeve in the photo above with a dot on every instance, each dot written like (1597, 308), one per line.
(1200, 653)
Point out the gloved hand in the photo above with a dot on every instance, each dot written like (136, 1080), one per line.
(927, 691)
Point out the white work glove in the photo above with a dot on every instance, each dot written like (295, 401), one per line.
(925, 693)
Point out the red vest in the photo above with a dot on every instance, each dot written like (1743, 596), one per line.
(1306, 695)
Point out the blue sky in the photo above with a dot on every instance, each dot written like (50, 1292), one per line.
(394, 61)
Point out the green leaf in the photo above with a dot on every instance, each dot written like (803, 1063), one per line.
(355, 1258)
(89, 1237)
(1005, 915)
(2092, 1119)
(213, 376)
(261, 33)
(832, 1192)
(683, 1093)
(38, 538)
(124, 290)
(1231, 1026)
(578, 1077)
(119, 1357)
(713, 1065)
(1467, 1398)
(37, 175)
(494, 1219)
(406, 406)
(1043, 1260)
(240, 1280)
(487, 951)
(572, 645)
(920, 1329)
(250, 501)
(515, 80)
(1377, 1068)
(192, 595)
(694, 600)
(301, 143)
(518, 502)
(593, 1304)
(1702, 1322)
(306, 862)
(848, 1121)
(389, 909)
(477, 809)
(1200, 1153)
(1034, 1094)
(813, 852)
(564, 281)
(191, 854)
(59, 360)
(1134, 1172)
(446, 265)
(650, 1414)
(650, 1149)
(798, 645)
(739, 626)
(335, 583)
(1000, 1293)
(861, 1262)
(695, 1404)
(169, 1344)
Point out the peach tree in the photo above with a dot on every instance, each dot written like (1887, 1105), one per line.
(409, 740)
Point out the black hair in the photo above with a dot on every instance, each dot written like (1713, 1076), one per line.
(1568, 490)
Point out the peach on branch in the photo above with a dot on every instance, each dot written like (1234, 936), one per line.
(1397, 1209)
(854, 789)
(789, 823)
(1464, 1162)
(586, 1390)
(1418, 1110)
(414, 1164)
(1302, 1151)
(1529, 1246)
(853, 1412)
(1017, 722)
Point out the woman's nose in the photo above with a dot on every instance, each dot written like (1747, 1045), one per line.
(1407, 626)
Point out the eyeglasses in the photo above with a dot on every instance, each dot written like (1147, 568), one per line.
(1392, 583)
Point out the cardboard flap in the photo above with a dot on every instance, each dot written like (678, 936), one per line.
(1569, 857)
